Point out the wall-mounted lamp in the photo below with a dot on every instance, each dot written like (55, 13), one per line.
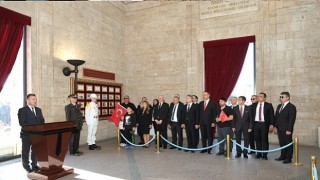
(67, 71)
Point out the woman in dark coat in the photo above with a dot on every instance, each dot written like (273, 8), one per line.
(145, 122)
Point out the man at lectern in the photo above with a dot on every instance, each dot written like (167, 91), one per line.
(92, 120)
(73, 113)
(29, 115)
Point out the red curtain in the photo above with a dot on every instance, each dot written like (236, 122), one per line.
(223, 61)
(11, 32)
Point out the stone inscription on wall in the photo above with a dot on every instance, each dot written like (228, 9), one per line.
(217, 8)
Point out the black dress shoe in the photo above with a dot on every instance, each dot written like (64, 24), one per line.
(265, 157)
(96, 146)
(203, 151)
(36, 169)
(78, 153)
(287, 161)
(91, 147)
(172, 147)
(257, 157)
(245, 156)
(192, 151)
(220, 153)
(164, 147)
(280, 159)
(238, 155)
(179, 149)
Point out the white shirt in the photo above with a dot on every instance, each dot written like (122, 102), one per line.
(284, 105)
(175, 109)
(121, 125)
(257, 112)
(92, 113)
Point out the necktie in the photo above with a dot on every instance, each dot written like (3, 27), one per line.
(174, 110)
(34, 112)
(281, 108)
(241, 111)
(160, 105)
(188, 108)
(260, 109)
(204, 105)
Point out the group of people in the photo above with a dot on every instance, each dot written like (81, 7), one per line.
(253, 122)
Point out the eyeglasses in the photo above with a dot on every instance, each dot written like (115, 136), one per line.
(281, 97)
(125, 98)
(253, 99)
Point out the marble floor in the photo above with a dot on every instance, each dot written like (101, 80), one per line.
(145, 163)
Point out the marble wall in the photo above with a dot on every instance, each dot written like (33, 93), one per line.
(156, 48)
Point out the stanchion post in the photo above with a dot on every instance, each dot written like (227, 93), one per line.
(158, 142)
(296, 152)
(119, 139)
(228, 147)
(313, 163)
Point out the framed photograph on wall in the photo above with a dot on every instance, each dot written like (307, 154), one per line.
(88, 96)
(89, 87)
(80, 87)
(111, 97)
(117, 102)
(104, 104)
(96, 88)
(117, 90)
(111, 89)
(104, 111)
(111, 104)
(117, 97)
(104, 89)
(82, 112)
(104, 96)
(111, 111)
(81, 104)
(80, 95)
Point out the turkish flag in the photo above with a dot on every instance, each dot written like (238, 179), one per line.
(116, 115)
(223, 116)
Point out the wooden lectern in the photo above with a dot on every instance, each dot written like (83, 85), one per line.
(50, 143)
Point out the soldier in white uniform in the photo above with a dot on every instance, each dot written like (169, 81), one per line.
(92, 119)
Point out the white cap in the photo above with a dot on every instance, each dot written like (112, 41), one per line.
(93, 96)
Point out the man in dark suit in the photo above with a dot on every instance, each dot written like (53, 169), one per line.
(284, 122)
(195, 101)
(242, 124)
(254, 99)
(263, 116)
(175, 119)
(29, 115)
(191, 114)
(73, 113)
(161, 118)
(207, 115)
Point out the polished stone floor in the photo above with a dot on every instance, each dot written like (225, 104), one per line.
(145, 163)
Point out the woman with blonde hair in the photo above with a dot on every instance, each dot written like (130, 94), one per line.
(145, 122)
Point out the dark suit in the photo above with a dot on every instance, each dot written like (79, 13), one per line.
(284, 121)
(189, 120)
(261, 129)
(73, 113)
(27, 117)
(161, 113)
(176, 126)
(241, 125)
(206, 118)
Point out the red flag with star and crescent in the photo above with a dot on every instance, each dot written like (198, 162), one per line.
(116, 115)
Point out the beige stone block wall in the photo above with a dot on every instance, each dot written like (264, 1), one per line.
(165, 54)
(92, 31)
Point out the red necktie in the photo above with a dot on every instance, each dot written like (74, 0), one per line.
(204, 105)
(260, 109)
